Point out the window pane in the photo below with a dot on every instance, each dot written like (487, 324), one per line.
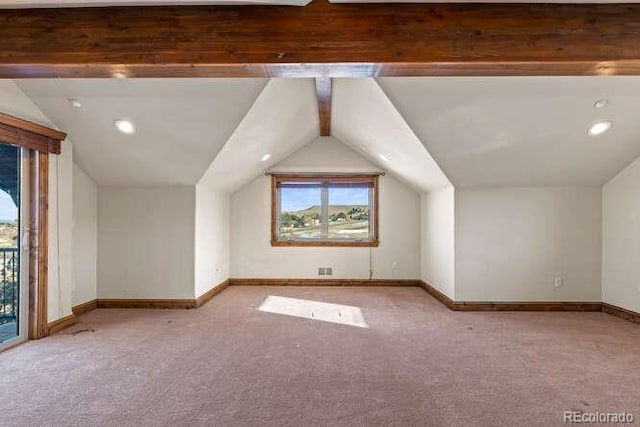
(300, 212)
(9, 241)
(349, 211)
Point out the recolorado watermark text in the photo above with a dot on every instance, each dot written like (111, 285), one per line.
(579, 417)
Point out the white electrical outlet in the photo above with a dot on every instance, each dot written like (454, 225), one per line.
(558, 282)
(394, 265)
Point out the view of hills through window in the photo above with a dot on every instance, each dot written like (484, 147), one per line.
(346, 214)
(9, 214)
(8, 221)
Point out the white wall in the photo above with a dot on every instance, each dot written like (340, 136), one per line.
(512, 242)
(60, 281)
(621, 239)
(146, 242)
(211, 239)
(85, 237)
(16, 103)
(252, 255)
(437, 247)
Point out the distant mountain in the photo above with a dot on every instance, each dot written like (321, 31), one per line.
(310, 217)
(333, 209)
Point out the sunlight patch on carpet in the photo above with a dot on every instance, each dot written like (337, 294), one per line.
(315, 310)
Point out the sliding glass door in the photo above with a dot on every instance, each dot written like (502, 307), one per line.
(13, 254)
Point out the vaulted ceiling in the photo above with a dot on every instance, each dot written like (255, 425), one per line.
(522, 131)
(283, 119)
(428, 132)
(365, 119)
(181, 124)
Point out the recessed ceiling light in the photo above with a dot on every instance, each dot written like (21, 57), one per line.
(265, 157)
(599, 128)
(383, 157)
(600, 103)
(120, 75)
(75, 103)
(125, 126)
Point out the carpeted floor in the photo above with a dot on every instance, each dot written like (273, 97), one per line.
(417, 363)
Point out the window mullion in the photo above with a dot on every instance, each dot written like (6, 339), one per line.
(278, 209)
(324, 211)
(373, 213)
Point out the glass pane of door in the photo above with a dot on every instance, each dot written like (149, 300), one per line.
(10, 159)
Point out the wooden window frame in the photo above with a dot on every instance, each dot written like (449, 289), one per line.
(40, 142)
(277, 178)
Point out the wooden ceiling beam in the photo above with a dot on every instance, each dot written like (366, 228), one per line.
(323, 92)
(322, 39)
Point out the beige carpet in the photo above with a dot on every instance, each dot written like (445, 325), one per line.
(412, 362)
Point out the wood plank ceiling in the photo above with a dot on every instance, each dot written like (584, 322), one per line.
(322, 40)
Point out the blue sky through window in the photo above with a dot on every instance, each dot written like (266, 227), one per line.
(8, 209)
(296, 199)
(349, 196)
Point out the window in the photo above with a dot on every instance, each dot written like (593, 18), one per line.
(324, 210)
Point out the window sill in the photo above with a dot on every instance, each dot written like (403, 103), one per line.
(325, 243)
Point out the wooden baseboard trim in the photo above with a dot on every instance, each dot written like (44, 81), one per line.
(61, 324)
(163, 303)
(207, 296)
(146, 303)
(67, 321)
(510, 306)
(85, 307)
(324, 282)
(528, 306)
(437, 295)
(623, 313)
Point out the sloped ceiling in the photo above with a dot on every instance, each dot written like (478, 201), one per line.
(364, 118)
(15, 103)
(283, 119)
(181, 124)
(521, 131)
(435, 131)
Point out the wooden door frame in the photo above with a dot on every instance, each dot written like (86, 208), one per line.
(40, 141)
(38, 243)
